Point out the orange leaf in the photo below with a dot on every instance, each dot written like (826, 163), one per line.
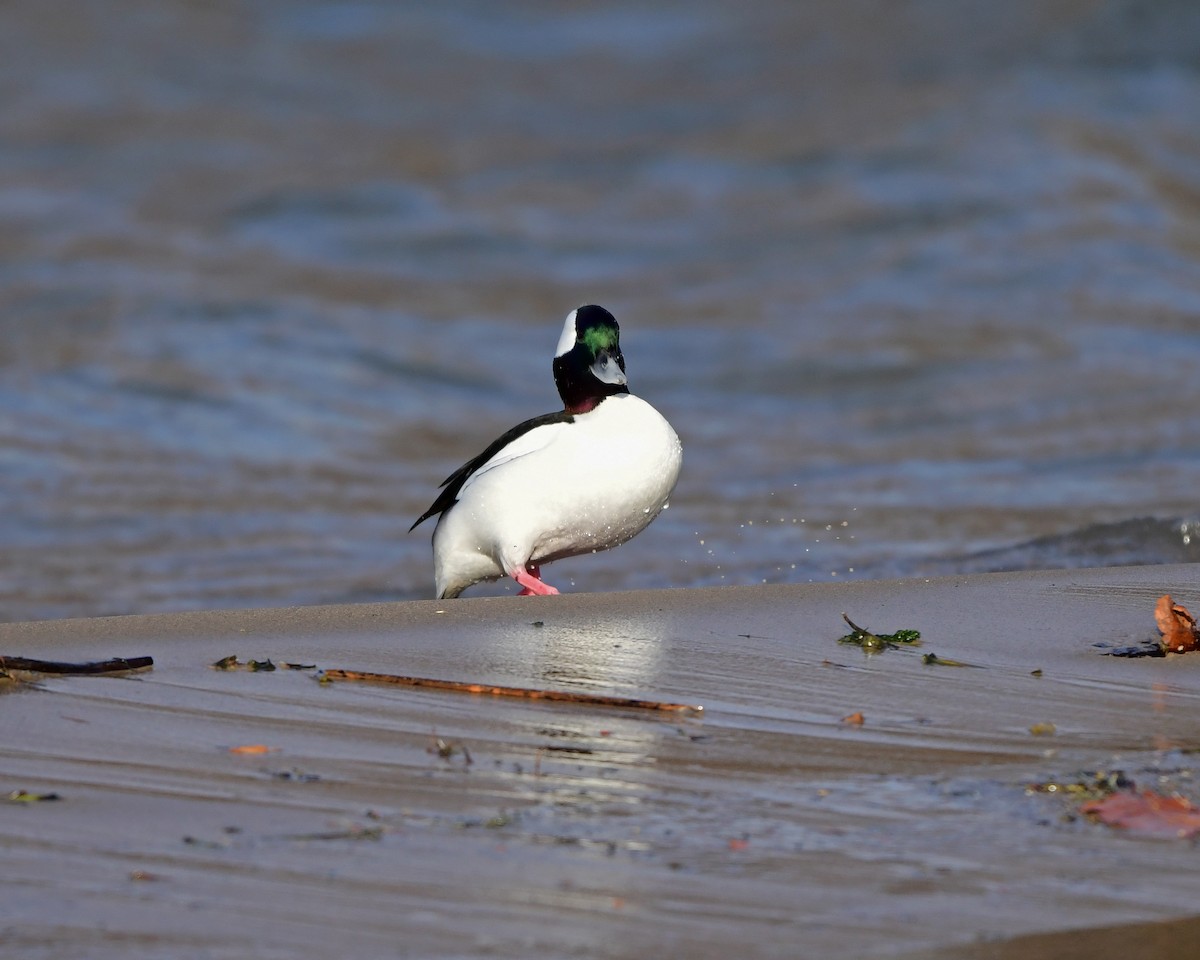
(857, 719)
(1176, 624)
(1146, 812)
(252, 748)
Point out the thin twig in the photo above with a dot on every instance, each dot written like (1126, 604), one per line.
(115, 665)
(526, 693)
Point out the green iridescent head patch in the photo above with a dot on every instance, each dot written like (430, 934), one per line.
(600, 338)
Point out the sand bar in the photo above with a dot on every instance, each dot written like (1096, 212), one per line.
(766, 826)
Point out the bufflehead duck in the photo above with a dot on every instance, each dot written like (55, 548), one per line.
(582, 479)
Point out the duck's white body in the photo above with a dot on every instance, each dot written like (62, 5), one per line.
(565, 488)
(578, 480)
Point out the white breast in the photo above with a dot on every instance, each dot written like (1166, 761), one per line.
(562, 490)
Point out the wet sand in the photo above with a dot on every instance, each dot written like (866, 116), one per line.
(764, 827)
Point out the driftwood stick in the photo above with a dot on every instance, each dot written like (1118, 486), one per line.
(93, 667)
(526, 693)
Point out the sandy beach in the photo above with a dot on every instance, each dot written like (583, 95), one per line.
(389, 822)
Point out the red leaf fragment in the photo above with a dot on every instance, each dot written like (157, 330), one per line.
(1146, 813)
(1176, 624)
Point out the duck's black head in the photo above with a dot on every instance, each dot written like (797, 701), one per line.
(588, 365)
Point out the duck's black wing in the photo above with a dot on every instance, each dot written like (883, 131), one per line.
(453, 483)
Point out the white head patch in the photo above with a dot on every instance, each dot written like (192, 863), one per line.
(567, 340)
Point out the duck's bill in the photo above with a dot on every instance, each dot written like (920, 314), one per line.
(607, 369)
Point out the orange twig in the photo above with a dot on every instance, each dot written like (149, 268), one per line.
(526, 693)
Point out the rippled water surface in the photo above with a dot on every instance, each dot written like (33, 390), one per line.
(918, 284)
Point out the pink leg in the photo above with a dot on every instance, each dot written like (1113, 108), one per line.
(531, 583)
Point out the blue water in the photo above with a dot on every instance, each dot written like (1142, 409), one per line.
(917, 284)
